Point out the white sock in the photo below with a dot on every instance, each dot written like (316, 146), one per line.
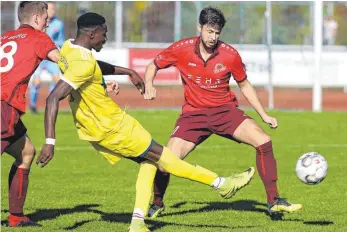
(138, 214)
(218, 182)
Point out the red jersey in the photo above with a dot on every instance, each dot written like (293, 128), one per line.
(22, 50)
(206, 84)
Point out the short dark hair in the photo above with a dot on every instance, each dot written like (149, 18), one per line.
(212, 16)
(26, 9)
(90, 20)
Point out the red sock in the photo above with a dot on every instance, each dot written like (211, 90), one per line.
(161, 182)
(18, 185)
(266, 165)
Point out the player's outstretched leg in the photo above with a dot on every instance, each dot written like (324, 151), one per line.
(231, 185)
(227, 187)
(163, 157)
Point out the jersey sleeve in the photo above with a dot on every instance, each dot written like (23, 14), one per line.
(238, 69)
(166, 58)
(44, 45)
(76, 73)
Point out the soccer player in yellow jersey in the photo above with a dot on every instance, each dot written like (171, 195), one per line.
(111, 131)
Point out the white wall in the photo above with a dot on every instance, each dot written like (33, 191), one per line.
(119, 57)
(295, 68)
(290, 68)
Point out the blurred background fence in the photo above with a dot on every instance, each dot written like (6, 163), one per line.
(154, 24)
(155, 21)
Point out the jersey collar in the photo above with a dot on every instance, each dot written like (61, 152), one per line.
(78, 46)
(197, 49)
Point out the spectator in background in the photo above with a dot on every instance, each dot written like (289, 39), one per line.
(55, 30)
(329, 31)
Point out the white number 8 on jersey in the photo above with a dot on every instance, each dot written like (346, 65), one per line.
(8, 55)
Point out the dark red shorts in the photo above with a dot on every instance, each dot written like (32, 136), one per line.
(12, 127)
(197, 126)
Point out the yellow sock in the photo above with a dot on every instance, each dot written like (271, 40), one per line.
(172, 164)
(144, 187)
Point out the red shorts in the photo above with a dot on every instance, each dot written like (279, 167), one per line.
(196, 126)
(12, 127)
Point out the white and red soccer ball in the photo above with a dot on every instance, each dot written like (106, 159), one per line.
(311, 168)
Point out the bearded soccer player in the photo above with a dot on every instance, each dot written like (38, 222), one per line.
(22, 50)
(206, 65)
(111, 131)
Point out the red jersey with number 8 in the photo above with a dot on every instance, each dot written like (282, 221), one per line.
(21, 52)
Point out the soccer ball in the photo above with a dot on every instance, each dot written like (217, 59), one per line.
(311, 168)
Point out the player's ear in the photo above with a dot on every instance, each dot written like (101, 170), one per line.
(36, 18)
(199, 27)
(91, 34)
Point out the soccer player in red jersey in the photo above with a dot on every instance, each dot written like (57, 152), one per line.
(22, 50)
(206, 65)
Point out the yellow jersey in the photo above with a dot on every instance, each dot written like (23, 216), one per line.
(95, 114)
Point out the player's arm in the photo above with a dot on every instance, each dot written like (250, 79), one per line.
(61, 91)
(151, 72)
(165, 59)
(251, 95)
(109, 69)
(53, 55)
(239, 74)
(75, 73)
(45, 48)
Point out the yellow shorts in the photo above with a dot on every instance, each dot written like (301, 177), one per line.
(131, 140)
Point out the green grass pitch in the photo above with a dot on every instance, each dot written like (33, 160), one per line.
(80, 191)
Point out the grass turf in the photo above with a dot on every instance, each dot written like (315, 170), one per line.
(79, 190)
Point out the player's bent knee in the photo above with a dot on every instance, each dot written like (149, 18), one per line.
(262, 139)
(178, 151)
(180, 147)
(29, 151)
(266, 138)
(27, 158)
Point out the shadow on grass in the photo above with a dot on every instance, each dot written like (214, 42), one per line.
(319, 223)
(125, 218)
(242, 205)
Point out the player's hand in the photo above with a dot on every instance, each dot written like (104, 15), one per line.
(271, 121)
(112, 86)
(46, 154)
(138, 82)
(150, 93)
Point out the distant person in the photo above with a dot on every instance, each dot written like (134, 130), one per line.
(330, 31)
(55, 30)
